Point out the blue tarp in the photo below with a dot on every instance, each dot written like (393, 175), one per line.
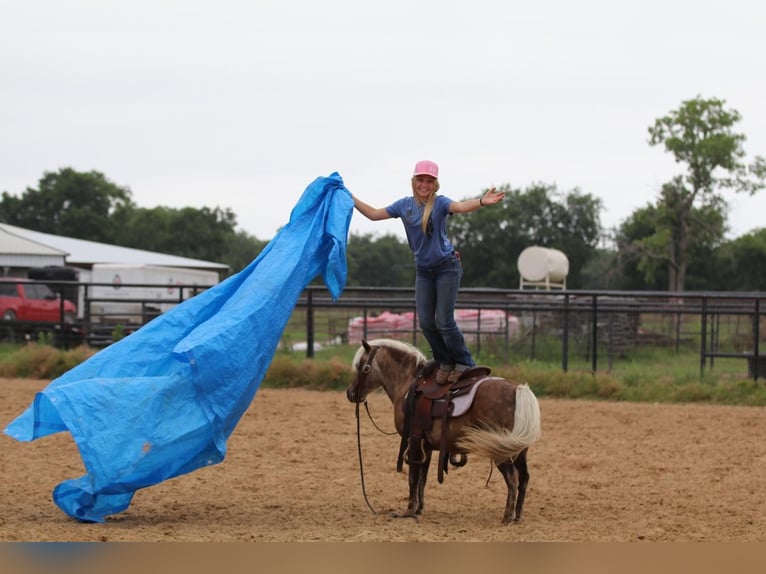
(163, 401)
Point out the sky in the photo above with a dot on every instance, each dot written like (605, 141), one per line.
(242, 104)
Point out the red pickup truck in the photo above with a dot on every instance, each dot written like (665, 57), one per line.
(27, 300)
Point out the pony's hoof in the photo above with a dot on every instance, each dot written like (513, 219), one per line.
(405, 514)
(510, 520)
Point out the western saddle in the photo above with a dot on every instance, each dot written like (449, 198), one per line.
(427, 400)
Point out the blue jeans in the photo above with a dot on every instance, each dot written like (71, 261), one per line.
(435, 296)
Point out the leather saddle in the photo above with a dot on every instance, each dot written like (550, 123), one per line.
(428, 400)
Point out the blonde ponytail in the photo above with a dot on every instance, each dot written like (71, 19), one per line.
(429, 203)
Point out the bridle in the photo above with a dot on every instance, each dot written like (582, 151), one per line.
(365, 368)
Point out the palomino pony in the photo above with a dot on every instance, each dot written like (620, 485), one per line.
(501, 423)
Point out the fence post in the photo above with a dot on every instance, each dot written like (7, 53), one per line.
(565, 337)
(478, 334)
(310, 326)
(703, 336)
(757, 336)
(508, 334)
(594, 335)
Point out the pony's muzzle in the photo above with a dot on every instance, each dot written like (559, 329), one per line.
(352, 395)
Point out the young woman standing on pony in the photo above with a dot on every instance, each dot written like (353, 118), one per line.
(438, 267)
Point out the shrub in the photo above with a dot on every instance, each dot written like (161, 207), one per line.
(40, 361)
(331, 370)
(323, 375)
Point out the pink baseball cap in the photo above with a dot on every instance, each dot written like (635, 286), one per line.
(426, 167)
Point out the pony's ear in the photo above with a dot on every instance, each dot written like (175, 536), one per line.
(366, 345)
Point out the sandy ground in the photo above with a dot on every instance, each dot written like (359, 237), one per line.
(601, 472)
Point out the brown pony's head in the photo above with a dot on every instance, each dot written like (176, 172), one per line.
(362, 366)
(379, 362)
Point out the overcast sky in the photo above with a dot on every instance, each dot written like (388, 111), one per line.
(242, 104)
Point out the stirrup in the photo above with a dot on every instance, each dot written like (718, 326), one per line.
(442, 376)
(458, 462)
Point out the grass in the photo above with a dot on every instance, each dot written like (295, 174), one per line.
(647, 376)
(650, 376)
(39, 360)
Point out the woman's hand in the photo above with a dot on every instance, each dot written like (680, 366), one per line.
(492, 196)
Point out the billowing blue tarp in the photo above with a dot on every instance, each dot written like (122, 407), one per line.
(164, 400)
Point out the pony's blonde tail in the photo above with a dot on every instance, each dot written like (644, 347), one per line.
(502, 444)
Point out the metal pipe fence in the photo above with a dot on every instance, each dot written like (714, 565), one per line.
(595, 330)
(598, 331)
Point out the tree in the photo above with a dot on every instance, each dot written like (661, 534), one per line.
(67, 202)
(645, 241)
(384, 261)
(241, 249)
(89, 206)
(637, 264)
(741, 263)
(491, 239)
(601, 271)
(202, 233)
(699, 134)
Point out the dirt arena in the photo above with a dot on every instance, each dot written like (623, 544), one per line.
(601, 472)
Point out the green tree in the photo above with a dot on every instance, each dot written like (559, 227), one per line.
(491, 239)
(384, 261)
(741, 263)
(69, 203)
(600, 272)
(200, 233)
(645, 239)
(699, 134)
(88, 206)
(637, 265)
(242, 248)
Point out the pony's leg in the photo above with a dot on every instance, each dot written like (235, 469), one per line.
(507, 470)
(521, 467)
(422, 476)
(417, 481)
(418, 460)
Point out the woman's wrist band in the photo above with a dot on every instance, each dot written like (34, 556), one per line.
(481, 201)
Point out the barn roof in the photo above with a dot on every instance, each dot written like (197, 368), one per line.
(84, 253)
(19, 251)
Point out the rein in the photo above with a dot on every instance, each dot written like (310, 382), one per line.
(380, 430)
(361, 464)
(364, 370)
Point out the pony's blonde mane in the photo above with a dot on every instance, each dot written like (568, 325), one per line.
(391, 343)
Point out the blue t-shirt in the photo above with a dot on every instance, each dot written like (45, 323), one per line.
(430, 249)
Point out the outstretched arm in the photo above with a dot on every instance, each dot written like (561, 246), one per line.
(489, 198)
(371, 213)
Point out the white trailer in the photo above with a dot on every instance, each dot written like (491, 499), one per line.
(134, 293)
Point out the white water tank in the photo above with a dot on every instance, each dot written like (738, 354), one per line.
(543, 267)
